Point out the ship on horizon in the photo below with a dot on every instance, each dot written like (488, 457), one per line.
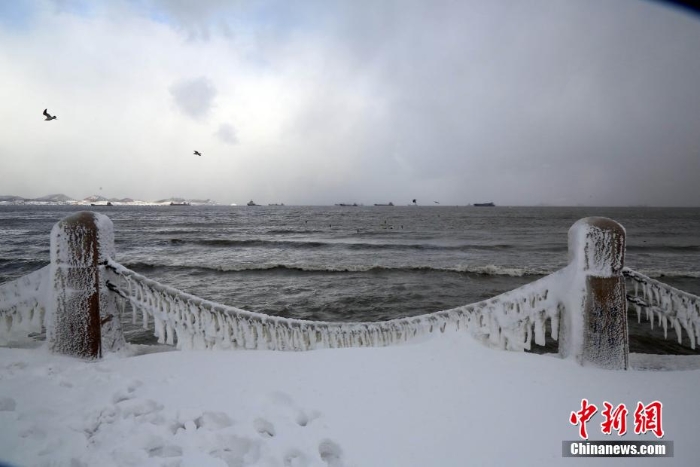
(484, 204)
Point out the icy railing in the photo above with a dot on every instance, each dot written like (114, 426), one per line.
(22, 305)
(508, 321)
(666, 304)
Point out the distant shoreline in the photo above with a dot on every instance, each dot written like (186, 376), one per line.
(194, 203)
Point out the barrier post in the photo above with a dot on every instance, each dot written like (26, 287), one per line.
(79, 305)
(595, 328)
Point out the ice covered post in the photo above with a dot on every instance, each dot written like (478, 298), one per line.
(82, 317)
(594, 330)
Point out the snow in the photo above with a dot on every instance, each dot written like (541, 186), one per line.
(419, 391)
(596, 246)
(442, 401)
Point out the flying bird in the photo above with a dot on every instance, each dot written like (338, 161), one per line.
(48, 117)
(197, 153)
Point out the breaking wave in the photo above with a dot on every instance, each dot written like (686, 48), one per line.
(656, 274)
(260, 243)
(486, 270)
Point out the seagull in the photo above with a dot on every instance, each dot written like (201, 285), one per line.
(48, 117)
(196, 153)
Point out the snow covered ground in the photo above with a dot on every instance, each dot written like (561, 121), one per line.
(442, 401)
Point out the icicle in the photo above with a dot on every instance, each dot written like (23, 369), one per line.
(691, 334)
(554, 322)
(501, 339)
(168, 333)
(527, 333)
(8, 323)
(677, 326)
(306, 335)
(264, 341)
(159, 330)
(251, 337)
(274, 337)
(494, 331)
(179, 337)
(229, 326)
(539, 329)
(665, 325)
(132, 296)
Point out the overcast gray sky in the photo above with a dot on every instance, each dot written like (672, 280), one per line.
(562, 102)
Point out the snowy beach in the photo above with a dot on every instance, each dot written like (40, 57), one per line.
(444, 401)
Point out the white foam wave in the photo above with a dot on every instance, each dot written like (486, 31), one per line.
(657, 273)
(489, 269)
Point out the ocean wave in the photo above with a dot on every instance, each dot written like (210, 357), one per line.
(486, 270)
(224, 243)
(315, 244)
(11, 269)
(665, 248)
(292, 231)
(24, 262)
(659, 274)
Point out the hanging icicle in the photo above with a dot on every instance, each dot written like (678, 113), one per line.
(668, 305)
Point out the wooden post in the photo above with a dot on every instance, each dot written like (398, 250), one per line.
(79, 304)
(598, 305)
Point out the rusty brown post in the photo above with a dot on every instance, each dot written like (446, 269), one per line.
(77, 303)
(598, 305)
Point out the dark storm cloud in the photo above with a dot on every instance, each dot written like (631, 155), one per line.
(195, 97)
(536, 92)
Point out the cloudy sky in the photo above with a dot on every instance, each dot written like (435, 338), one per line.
(317, 102)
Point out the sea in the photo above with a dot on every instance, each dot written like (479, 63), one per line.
(357, 263)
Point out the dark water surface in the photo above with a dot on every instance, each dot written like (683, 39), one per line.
(356, 263)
